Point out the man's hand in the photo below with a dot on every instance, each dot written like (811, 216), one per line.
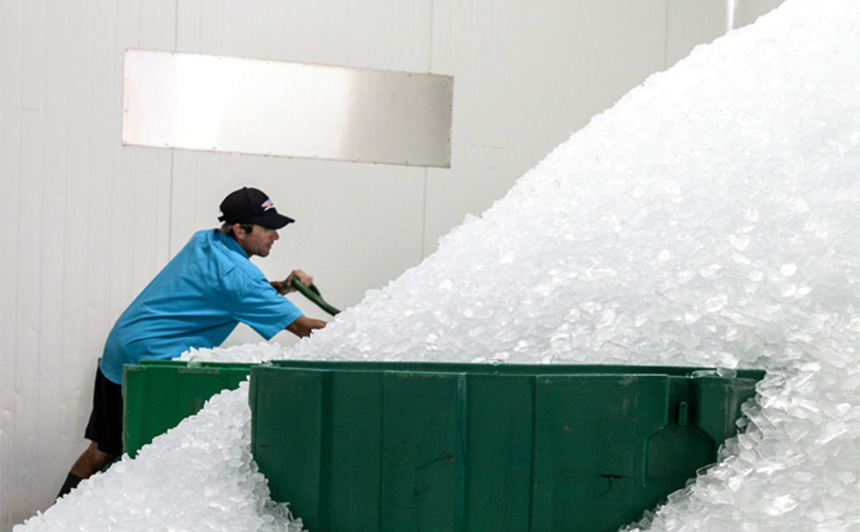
(285, 287)
(304, 326)
(306, 279)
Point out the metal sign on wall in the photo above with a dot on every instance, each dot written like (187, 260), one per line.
(278, 108)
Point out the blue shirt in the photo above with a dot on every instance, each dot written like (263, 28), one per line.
(196, 301)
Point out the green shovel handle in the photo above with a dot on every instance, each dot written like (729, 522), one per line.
(311, 292)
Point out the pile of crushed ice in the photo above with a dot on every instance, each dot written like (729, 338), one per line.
(199, 476)
(710, 218)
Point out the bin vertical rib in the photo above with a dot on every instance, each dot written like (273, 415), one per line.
(533, 382)
(326, 450)
(461, 453)
(380, 464)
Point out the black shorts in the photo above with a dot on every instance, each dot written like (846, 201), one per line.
(105, 426)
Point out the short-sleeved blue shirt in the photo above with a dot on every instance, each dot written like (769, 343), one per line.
(196, 301)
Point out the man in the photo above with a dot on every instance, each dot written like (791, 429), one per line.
(195, 301)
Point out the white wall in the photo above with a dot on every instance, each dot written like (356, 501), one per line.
(89, 222)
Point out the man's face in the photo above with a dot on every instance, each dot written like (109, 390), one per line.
(258, 241)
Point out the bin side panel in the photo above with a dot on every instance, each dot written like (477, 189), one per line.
(355, 451)
(378, 447)
(156, 398)
(500, 425)
(287, 439)
(590, 435)
(422, 462)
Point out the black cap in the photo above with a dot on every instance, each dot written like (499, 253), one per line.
(252, 206)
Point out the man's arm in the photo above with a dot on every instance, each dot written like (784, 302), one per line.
(304, 326)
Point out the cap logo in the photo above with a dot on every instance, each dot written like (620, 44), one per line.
(267, 205)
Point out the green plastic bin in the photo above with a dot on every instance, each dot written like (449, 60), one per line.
(158, 394)
(402, 447)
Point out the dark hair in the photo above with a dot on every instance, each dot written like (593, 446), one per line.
(227, 229)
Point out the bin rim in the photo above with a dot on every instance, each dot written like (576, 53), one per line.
(468, 368)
